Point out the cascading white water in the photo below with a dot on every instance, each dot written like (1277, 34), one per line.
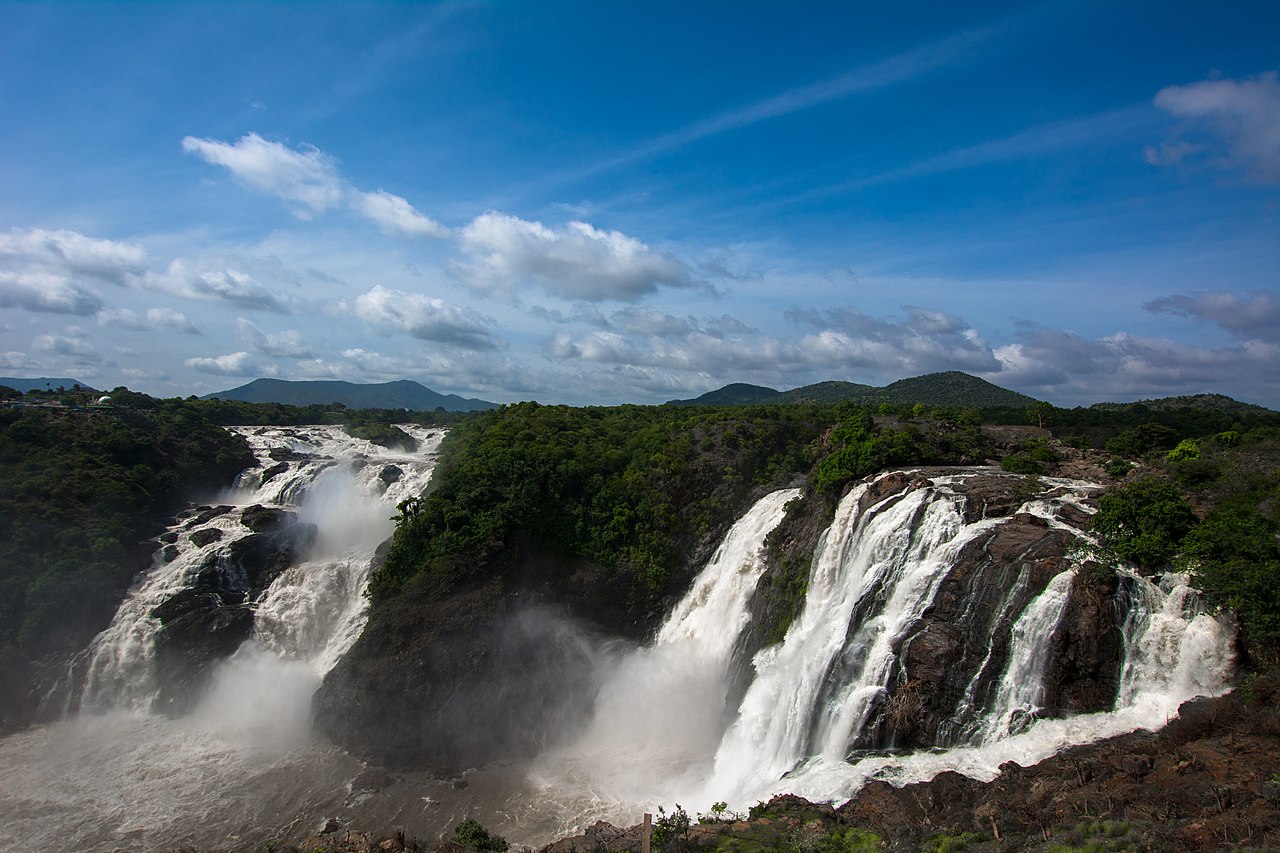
(314, 610)
(1021, 689)
(244, 762)
(661, 709)
(1173, 652)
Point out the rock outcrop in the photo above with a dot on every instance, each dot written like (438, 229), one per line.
(208, 621)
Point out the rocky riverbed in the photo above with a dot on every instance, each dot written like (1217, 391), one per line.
(1209, 780)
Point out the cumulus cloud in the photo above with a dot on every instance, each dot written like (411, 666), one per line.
(577, 261)
(227, 286)
(285, 344)
(54, 271)
(656, 343)
(927, 341)
(1253, 315)
(425, 318)
(306, 177)
(394, 215)
(232, 364)
(1231, 122)
(154, 319)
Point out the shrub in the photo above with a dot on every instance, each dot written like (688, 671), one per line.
(1143, 522)
(471, 835)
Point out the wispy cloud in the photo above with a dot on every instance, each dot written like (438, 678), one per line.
(154, 319)
(309, 181)
(305, 177)
(909, 65)
(1255, 315)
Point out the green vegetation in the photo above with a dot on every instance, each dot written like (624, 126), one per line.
(1211, 507)
(1034, 458)
(627, 488)
(1143, 522)
(471, 835)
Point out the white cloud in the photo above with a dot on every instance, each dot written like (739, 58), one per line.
(14, 360)
(1255, 315)
(928, 341)
(1069, 368)
(1234, 122)
(227, 286)
(75, 344)
(395, 215)
(154, 319)
(232, 364)
(285, 344)
(53, 271)
(306, 177)
(425, 318)
(46, 292)
(577, 261)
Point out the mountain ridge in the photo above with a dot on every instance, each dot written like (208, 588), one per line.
(398, 394)
(946, 388)
(43, 383)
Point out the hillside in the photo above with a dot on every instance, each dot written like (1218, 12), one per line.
(950, 388)
(401, 394)
(43, 383)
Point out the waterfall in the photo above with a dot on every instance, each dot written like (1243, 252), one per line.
(874, 574)
(661, 709)
(312, 612)
(1021, 689)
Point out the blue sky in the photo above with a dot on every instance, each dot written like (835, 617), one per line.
(609, 202)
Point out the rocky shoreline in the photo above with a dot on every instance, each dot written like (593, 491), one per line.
(1209, 780)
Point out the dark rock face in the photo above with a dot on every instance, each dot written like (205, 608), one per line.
(1197, 784)
(208, 621)
(454, 674)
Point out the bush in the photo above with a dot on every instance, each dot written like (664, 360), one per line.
(1184, 452)
(1144, 522)
(471, 835)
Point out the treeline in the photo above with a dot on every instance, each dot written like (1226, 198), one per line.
(627, 488)
(630, 487)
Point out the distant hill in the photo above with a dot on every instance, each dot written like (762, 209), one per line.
(832, 391)
(736, 394)
(401, 394)
(950, 388)
(44, 383)
(1216, 402)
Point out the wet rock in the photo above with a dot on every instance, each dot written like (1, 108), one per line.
(262, 519)
(205, 516)
(274, 471)
(390, 474)
(206, 536)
